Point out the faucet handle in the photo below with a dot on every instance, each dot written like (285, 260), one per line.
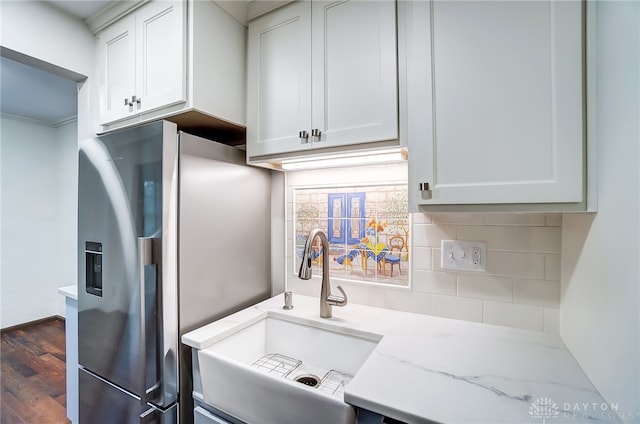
(338, 300)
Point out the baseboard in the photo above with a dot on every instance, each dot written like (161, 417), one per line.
(32, 323)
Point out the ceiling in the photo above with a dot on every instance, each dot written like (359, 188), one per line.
(38, 95)
(81, 9)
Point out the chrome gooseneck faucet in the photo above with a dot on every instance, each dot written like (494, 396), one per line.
(327, 300)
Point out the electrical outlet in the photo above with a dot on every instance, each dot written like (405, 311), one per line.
(464, 255)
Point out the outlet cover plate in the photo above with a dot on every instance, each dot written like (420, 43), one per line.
(464, 255)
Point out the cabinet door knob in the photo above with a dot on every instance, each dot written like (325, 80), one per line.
(135, 99)
(126, 102)
(304, 137)
(316, 133)
(423, 186)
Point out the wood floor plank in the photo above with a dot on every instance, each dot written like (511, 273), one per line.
(44, 341)
(33, 374)
(8, 416)
(48, 386)
(35, 407)
(62, 400)
(12, 359)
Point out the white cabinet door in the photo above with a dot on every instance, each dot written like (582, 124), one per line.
(160, 61)
(496, 102)
(279, 81)
(327, 66)
(142, 57)
(117, 61)
(354, 63)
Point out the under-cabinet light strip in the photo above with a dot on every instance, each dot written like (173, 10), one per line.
(329, 162)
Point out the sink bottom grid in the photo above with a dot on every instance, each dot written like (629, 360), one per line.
(333, 382)
(277, 364)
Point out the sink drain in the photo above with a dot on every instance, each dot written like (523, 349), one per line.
(308, 380)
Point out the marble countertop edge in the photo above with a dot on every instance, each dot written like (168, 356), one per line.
(70, 291)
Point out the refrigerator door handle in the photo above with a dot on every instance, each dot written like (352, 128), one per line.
(144, 259)
(148, 416)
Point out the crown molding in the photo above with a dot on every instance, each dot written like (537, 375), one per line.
(112, 13)
(257, 8)
(237, 9)
(34, 121)
(66, 121)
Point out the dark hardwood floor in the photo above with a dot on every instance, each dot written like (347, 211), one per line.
(33, 374)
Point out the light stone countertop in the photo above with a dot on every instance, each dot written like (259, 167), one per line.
(427, 369)
(69, 291)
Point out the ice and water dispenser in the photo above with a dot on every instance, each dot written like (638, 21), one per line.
(93, 254)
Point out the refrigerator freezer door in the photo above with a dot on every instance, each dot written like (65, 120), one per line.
(120, 200)
(105, 403)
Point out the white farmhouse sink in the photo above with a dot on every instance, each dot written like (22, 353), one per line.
(240, 377)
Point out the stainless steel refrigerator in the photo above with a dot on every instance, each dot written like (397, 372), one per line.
(173, 233)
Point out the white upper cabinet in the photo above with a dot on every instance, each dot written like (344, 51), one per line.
(118, 51)
(322, 74)
(279, 81)
(183, 61)
(160, 62)
(143, 61)
(354, 72)
(495, 103)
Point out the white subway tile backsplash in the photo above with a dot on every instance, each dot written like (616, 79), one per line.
(522, 219)
(514, 315)
(552, 267)
(289, 249)
(536, 292)
(435, 259)
(483, 286)
(538, 239)
(304, 287)
(363, 294)
(516, 264)
(430, 235)
(434, 282)
(421, 218)
(371, 174)
(552, 320)
(422, 258)
(456, 307)
(521, 287)
(458, 218)
(289, 217)
(289, 264)
(497, 237)
(409, 301)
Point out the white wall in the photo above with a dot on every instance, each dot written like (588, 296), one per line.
(39, 30)
(521, 287)
(40, 35)
(50, 39)
(600, 313)
(39, 219)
